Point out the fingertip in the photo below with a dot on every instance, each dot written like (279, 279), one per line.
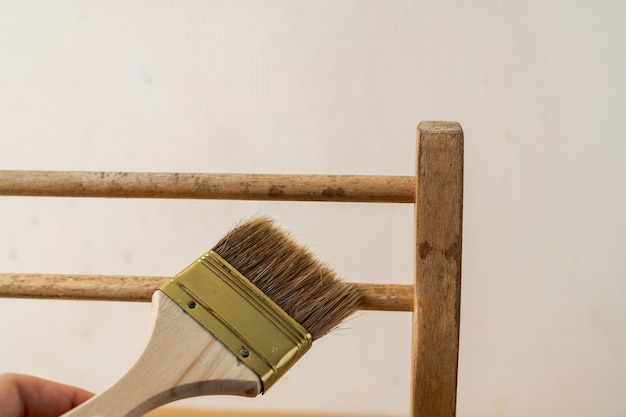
(28, 395)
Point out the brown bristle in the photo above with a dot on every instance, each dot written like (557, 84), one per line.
(286, 272)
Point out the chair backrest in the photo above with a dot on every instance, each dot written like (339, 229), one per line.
(436, 191)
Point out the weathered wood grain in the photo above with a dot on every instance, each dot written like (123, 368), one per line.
(438, 238)
(339, 188)
(384, 297)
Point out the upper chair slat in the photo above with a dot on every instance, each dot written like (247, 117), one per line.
(285, 187)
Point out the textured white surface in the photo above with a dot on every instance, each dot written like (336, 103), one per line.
(332, 88)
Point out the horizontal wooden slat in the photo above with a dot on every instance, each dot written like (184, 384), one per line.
(340, 188)
(383, 297)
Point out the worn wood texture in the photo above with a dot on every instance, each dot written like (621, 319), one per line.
(180, 359)
(438, 238)
(340, 188)
(384, 297)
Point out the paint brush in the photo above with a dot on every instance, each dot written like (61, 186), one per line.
(231, 323)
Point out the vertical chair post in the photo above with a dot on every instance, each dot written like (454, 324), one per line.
(438, 238)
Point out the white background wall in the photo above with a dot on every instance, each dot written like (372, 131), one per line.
(332, 88)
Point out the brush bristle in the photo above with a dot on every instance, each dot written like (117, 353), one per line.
(290, 275)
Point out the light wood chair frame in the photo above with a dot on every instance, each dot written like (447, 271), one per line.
(436, 191)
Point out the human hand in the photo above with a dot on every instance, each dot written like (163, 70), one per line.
(28, 396)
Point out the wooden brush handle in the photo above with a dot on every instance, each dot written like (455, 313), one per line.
(355, 188)
(384, 297)
(180, 359)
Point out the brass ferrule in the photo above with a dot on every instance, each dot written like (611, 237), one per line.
(241, 316)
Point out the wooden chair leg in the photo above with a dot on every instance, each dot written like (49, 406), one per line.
(438, 238)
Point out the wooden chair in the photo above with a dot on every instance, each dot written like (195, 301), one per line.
(436, 190)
